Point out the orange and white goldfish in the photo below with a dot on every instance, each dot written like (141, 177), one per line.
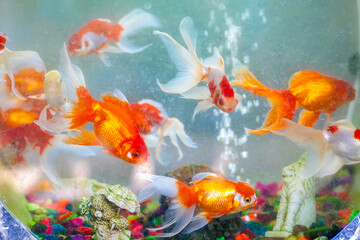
(97, 36)
(329, 149)
(311, 90)
(218, 92)
(3, 39)
(21, 136)
(153, 123)
(24, 69)
(214, 195)
(114, 128)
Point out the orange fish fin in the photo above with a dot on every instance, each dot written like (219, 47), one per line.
(82, 111)
(282, 101)
(82, 137)
(199, 221)
(298, 77)
(110, 98)
(283, 106)
(308, 118)
(245, 79)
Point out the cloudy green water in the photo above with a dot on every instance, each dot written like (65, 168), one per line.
(273, 38)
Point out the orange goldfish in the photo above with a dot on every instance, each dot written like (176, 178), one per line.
(17, 116)
(214, 195)
(97, 35)
(3, 39)
(24, 69)
(28, 82)
(311, 90)
(19, 137)
(218, 92)
(114, 128)
(153, 123)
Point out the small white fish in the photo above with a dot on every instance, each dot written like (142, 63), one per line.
(191, 72)
(329, 149)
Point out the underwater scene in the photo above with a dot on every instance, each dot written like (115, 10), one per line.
(203, 119)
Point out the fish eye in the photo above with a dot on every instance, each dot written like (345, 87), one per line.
(221, 102)
(136, 154)
(247, 199)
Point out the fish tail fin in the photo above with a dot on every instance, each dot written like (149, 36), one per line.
(313, 141)
(199, 221)
(186, 61)
(182, 205)
(132, 23)
(52, 153)
(55, 124)
(174, 129)
(282, 101)
(76, 92)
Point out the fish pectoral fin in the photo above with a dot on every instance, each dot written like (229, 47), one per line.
(197, 92)
(202, 106)
(103, 57)
(82, 137)
(308, 118)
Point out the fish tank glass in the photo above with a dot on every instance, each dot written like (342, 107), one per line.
(179, 120)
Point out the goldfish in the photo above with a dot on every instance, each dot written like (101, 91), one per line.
(214, 195)
(113, 128)
(24, 70)
(19, 137)
(329, 149)
(191, 72)
(3, 39)
(153, 123)
(98, 35)
(315, 92)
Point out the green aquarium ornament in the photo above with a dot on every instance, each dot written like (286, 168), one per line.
(102, 211)
(297, 202)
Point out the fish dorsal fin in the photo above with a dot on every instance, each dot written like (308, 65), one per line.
(298, 77)
(119, 94)
(215, 61)
(343, 122)
(110, 98)
(203, 175)
(157, 105)
(189, 34)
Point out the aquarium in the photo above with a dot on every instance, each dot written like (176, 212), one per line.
(179, 119)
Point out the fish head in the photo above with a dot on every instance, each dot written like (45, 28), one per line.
(225, 104)
(225, 99)
(137, 153)
(245, 196)
(79, 45)
(344, 92)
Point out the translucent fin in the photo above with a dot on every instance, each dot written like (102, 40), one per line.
(215, 61)
(308, 118)
(159, 185)
(56, 124)
(120, 95)
(282, 101)
(190, 69)
(198, 92)
(196, 223)
(332, 165)
(52, 153)
(310, 138)
(137, 20)
(189, 34)
(104, 58)
(71, 75)
(202, 106)
(182, 217)
(132, 23)
(174, 129)
(202, 175)
(14, 61)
